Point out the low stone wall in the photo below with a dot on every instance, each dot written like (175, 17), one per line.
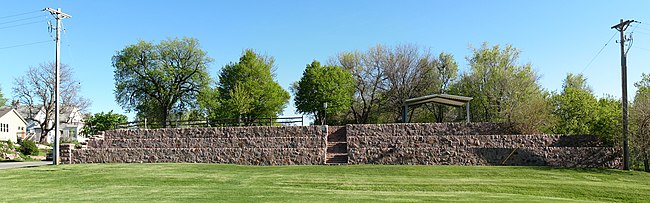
(234, 145)
(472, 144)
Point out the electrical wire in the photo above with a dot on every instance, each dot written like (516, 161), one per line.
(597, 54)
(14, 15)
(631, 39)
(40, 21)
(645, 33)
(22, 45)
(644, 49)
(21, 19)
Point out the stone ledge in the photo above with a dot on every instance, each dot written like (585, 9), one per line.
(504, 141)
(264, 142)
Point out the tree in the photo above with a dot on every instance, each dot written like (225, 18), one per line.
(444, 74)
(102, 122)
(640, 121)
(35, 90)
(409, 72)
(247, 88)
(156, 80)
(578, 111)
(575, 107)
(501, 88)
(3, 100)
(369, 75)
(323, 84)
(209, 103)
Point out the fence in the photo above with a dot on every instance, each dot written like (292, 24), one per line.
(220, 122)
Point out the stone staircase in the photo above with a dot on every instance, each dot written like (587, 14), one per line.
(337, 146)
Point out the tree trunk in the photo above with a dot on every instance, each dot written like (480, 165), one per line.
(645, 165)
(43, 138)
(165, 117)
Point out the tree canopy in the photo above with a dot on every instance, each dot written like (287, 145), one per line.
(156, 80)
(102, 122)
(248, 88)
(578, 111)
(323, 84)
(501, 87)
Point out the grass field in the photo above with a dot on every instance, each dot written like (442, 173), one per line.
(357, 183)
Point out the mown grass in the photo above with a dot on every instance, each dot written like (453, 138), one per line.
(356, 183)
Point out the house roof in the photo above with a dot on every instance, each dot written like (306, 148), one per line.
(446, 99)
(5, 110)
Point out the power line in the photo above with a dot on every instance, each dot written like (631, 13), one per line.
(40, 21)
(645, 33)
(23, 19)
(22, 45)
(642, 28)
(644, 49)
(597, 54)
(14, 15)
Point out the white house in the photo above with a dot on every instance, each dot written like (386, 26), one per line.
(12, 125)
(70, 124)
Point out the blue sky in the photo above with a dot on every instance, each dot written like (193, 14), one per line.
(556, 37)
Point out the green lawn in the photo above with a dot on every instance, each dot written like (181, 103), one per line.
(357, 183)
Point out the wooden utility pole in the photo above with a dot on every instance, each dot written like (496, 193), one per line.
(58, 15)
(626, 151)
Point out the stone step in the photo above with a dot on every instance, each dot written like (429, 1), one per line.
(337, 147)
(337, 158)
(336, 134)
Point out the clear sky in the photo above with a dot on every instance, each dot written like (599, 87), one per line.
(556, 37)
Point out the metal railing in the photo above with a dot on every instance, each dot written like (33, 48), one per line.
(220, 122)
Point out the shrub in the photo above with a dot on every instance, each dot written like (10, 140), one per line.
(28, 147)
(10, 144)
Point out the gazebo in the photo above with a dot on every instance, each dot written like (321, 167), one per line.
(445, 99)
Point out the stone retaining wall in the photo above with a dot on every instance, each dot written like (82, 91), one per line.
(234, 145)
(429, 144)
(465, 144)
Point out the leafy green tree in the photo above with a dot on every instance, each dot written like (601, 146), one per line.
(501, 88)
(158, 80)
(102, 122)
(607, 121)
(578, 111)
(323, 84)
(247, 88)
(640, 121)
(574, 107)
(209, 103)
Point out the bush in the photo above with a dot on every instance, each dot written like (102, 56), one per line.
(10, 144)
(28, 147)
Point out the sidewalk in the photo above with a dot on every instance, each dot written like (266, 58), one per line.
(4, 165)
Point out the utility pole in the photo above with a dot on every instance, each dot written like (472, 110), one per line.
(621, 27)
(58, 15)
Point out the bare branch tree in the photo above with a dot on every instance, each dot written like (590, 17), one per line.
(35, 91)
